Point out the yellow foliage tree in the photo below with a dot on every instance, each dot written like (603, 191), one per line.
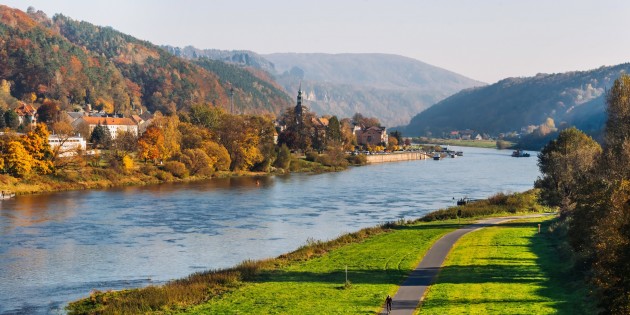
(36, 144)
(218, 154)
(18, 161)
(127, 163)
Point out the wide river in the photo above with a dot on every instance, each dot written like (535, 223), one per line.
(55, 248)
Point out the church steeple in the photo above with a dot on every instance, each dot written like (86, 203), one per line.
(299, 109)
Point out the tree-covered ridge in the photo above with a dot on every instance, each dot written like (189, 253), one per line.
(255, 88)
(39, 63)
(571, 98)
(78, 63)
(166, 83)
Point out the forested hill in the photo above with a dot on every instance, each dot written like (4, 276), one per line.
(240, 57)
(77, 62)
(572, 98)
(390, 87)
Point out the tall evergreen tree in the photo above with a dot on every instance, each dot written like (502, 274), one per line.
(101, 138)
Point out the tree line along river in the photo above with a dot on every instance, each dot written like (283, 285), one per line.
(58, 247)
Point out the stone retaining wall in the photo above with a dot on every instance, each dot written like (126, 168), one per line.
(395, 157)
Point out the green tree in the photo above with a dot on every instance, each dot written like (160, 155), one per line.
(334, 129)
(101, 138)
(205, 116)
(283, 159)
(12, 120)
(564, 164)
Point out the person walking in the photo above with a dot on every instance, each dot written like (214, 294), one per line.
(388, 304)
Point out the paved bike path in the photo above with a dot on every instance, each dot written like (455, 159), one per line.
(411, 292)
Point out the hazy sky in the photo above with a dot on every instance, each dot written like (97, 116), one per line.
(486, 40)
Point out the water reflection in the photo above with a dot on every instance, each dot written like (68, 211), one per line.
(58, 247)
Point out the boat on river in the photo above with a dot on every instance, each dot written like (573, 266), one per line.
(437, 156)
(5, 194)
(520, 153)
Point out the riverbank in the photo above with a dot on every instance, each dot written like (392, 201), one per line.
(89, 177)
(488, 144)
(377, 259)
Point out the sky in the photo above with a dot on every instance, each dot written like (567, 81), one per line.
(486, 40)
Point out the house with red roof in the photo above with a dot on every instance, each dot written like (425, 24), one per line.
(27, 114)
(114, 125)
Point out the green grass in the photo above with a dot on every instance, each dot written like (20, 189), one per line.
(489, 144)
(508, 269)
(376, 267)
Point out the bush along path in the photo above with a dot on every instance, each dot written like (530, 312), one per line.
(412, 291)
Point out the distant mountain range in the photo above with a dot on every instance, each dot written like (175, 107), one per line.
(79, 63)
(390, 87)
(570, 99)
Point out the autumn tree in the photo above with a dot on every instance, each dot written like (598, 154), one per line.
(48, 112)
(241, 138)
(35, 142)
(193, 136)
(219, 156)
(365, 122)
(151, 144)
(126, 142)
(171, 134)
(196, 161)
(17, 161)
(564, 164)
(64, 156)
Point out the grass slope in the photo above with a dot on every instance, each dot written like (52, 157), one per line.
(375, 268)
(508, 269)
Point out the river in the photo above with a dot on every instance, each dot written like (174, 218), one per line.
(57, 247)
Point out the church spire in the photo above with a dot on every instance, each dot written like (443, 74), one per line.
(298, 108)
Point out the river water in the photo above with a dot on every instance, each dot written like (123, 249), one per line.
(55, 248)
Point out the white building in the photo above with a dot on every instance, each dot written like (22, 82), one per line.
(115, 125)
(66, 146)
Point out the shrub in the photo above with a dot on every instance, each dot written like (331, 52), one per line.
(311, 156)
(163, 176)
(178, 169)
(359, 159)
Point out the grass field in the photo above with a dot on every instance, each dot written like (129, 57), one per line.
(317, 286)
(490, 144)
(508, 269)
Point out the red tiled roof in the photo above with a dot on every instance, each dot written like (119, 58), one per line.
(109, 121)
(25, 110)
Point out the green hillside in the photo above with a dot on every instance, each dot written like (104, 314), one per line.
(572, 98)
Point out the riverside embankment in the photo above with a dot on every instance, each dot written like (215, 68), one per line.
(397, 157)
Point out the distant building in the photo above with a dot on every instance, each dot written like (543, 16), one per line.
(67, 146)
(115, 125)
(27, 114)
(372, 136)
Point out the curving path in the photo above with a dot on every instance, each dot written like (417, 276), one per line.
(412, 291)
